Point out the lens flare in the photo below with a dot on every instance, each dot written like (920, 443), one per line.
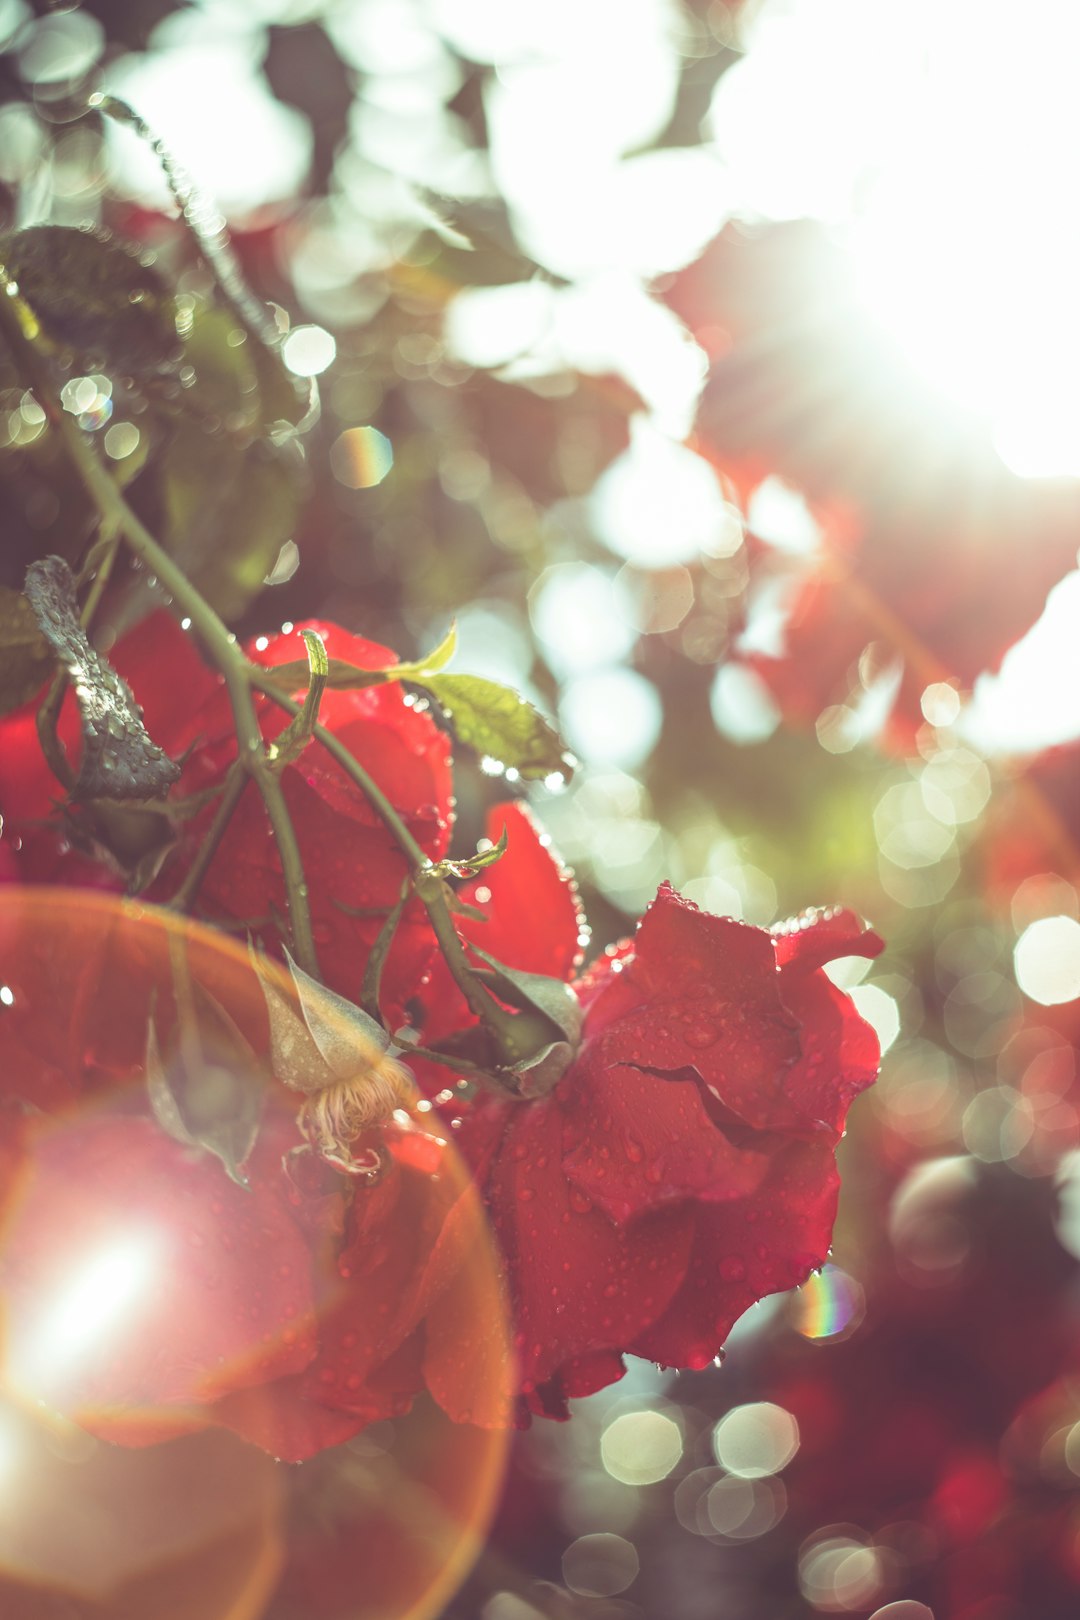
(828, 1306)
(152, 1290)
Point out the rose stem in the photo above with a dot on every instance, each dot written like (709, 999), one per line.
(220, 645)
(508, 1028)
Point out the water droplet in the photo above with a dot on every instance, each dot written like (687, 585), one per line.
(700, 1037)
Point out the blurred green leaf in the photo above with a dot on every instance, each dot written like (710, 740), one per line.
(283, 398)
(228, 511)
(230, 497)
(93, 294)
(25, 659)
(224, 390)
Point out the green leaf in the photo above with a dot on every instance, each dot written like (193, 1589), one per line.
(431, 662)
(344, 677)
(25, 659)
(498, 723)
(471, 864)
(552, 997)
(229, 510)
(224, 392)
(45, 509)
(230, 496)
(119, 760)
(91, 293)
(283, 397)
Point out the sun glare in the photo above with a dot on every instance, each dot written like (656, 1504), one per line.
(93, 1303)
(942, 142)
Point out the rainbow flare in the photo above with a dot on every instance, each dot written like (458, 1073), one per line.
(829, 1305)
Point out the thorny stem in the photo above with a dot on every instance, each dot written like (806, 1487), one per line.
(220, 645)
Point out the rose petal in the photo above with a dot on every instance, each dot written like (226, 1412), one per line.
(391, 1268)
(638, 1142)
(817, 937)
(580, 1283)
(745, 1250)
(840, 1051)
(702, 993)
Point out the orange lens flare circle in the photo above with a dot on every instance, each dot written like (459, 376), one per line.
(235, 1380)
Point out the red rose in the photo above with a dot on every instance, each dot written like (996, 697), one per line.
(684, 1166)
(351, 864)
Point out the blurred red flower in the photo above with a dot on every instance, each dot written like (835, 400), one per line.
(932, 552)
(937, 1431)
(1032, 822)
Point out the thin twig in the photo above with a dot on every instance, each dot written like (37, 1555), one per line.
(235, 783)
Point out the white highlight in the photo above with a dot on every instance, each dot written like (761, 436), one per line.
(945, 148)
(93, 1304)
(659, 504)
(244, 148)
(1047, 960)
(308, 350)
(756, 1440)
